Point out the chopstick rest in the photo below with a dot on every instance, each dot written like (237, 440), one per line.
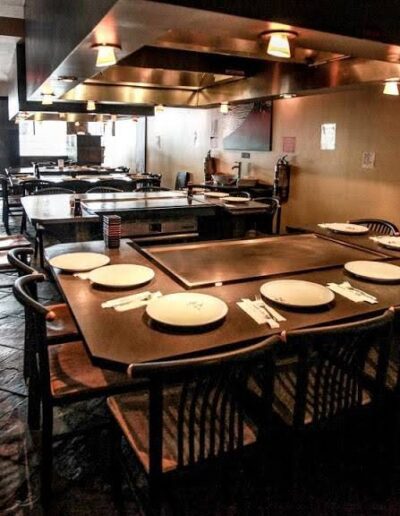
(348, 291)
(258, 314)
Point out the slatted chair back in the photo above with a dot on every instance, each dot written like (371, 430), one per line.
(329, 378)
(32, 185)
(181, 180)
(121, 184)
(104, 189)
(203, 397)
(56, 190)
(384, 227)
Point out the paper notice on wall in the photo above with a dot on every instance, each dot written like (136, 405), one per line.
(368, 160)
(328, 136)
(289, 144)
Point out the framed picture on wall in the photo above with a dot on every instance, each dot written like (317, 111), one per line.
(248, 127)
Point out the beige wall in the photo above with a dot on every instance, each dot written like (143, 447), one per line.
(326, 185)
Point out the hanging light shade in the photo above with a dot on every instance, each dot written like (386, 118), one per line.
(224, 108)
(106, 54)
(159, 108)
(91, 105)
(278, 42)
(47, 99)
(391, 88)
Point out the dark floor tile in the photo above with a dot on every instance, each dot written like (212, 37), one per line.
(11, 370)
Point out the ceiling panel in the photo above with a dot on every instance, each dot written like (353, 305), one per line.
(12, 8)
(8, 9)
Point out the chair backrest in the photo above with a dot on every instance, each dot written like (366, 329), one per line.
(384, 227)
(273, 210)
(207, 402)
(103, 189)
(20, 258)
(53, 191)
(181, 180)
(152, 189)
(330, 376)
(76, 185)
(240, 193)
(35, 321)
(32, 185)
(121, 184)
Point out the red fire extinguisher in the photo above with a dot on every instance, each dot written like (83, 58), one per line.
(282, 179)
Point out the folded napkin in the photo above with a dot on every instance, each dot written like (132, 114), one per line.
(354, 294)
(257, 313)
(122, 304)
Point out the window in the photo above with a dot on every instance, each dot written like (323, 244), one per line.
(43, 138)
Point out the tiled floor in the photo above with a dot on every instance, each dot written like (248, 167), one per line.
(333, 484)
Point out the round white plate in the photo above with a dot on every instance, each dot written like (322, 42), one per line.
(297, 293)
(121, 275)
(234, 200)
(187, 309)
(391, 242)
(216, 195)
(348, 229)
(374, 271)
(79, 262)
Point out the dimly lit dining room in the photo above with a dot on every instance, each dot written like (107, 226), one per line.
(199, 257)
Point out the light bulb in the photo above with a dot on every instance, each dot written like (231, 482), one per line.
(224, 108)
(91, 105)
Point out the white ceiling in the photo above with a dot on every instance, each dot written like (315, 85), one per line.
(10, 9)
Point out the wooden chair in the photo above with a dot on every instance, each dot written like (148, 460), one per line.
(76, 185)
(11, 203)
(60, 325)
(8, 242)
(182, 180)
(192, 414)
(54, 190)
(384, 227)
(273, 216)
(120, 184)
(103, 189)
(28, 187)
(152, 189)
(65, 374)
(325, 383)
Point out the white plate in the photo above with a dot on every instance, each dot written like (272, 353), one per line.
(238, 200)
(391, 242)
(187, 309)
(217, 195)
(374, 271)
(121, 275)
(79, 262)
(297, 293)
(348, 229)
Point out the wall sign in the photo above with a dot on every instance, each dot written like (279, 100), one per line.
(368, 160)
(289, 144)
(328, 136)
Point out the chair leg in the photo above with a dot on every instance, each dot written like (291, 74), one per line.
(6, 221)
(47, 452)
(33, 403)
(41, 247)
(23, 224)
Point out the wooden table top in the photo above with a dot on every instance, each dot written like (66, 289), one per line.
(362, 241)
(58, 178)
(201, 264)
(55, 170)
(115, 339)
(55, 209)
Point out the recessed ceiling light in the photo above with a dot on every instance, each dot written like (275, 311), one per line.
(288, 95)
(67, 78)
(106, 54)
(278, 42)
(391, 88)
(224, 108)
(91, 105)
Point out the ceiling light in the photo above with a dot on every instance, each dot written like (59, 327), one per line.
(224, 108)
(278, 42)
(106, 54)
(61, 115)
(67, 78)
(159, 108)
(113, 118)
(288, 95)
(391, 88)
(77, 124)
(91, 105)
(47, 99)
